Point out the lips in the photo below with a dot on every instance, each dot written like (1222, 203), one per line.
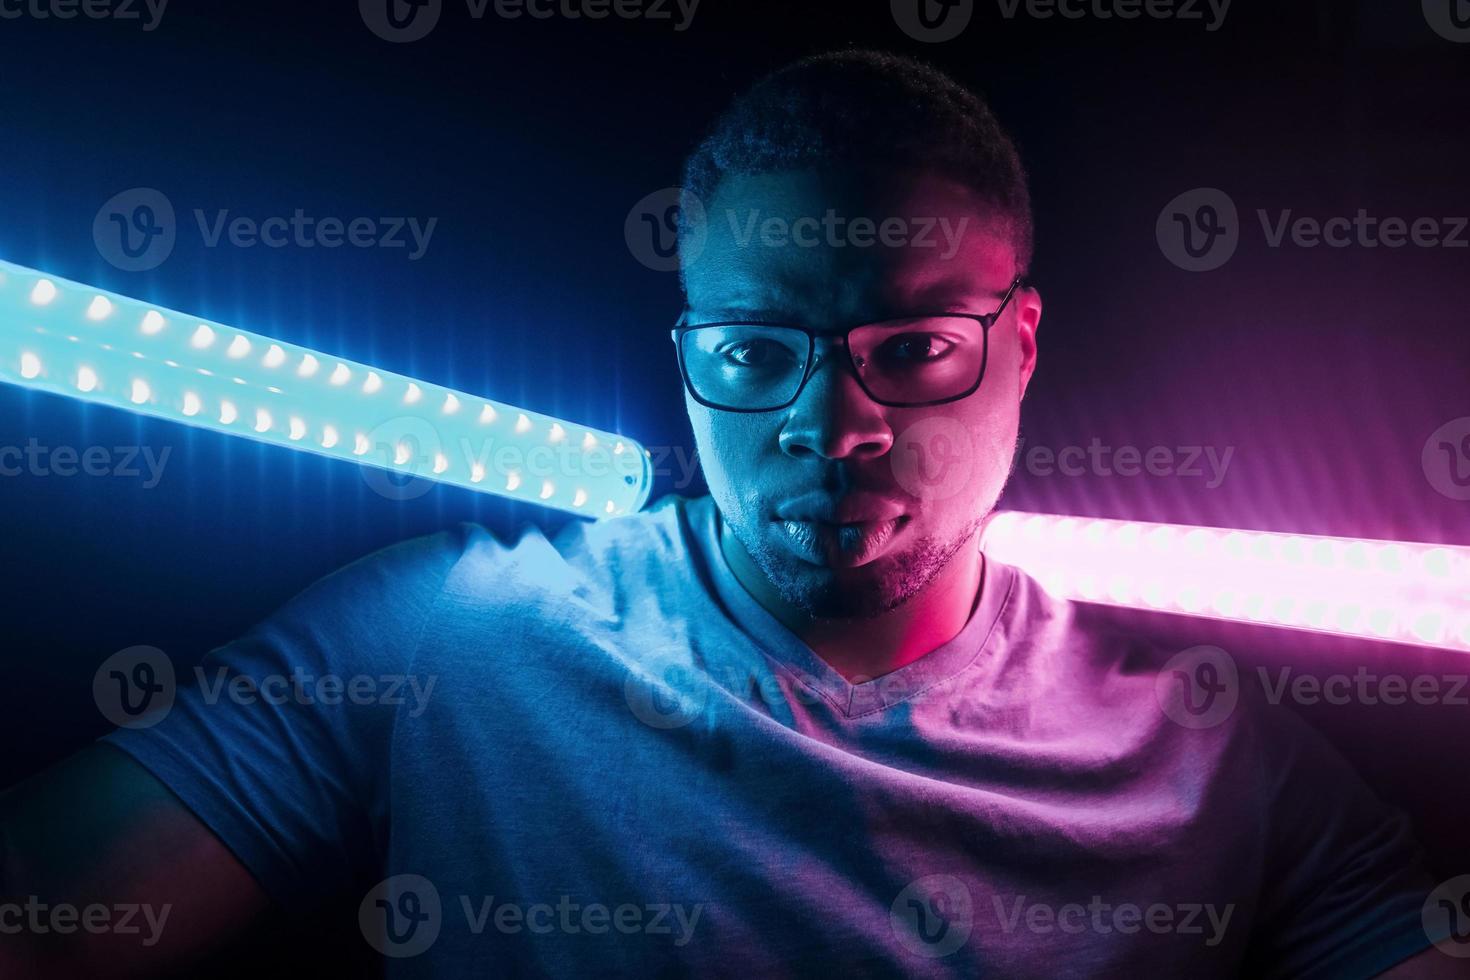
(840, 544)
(856, 508)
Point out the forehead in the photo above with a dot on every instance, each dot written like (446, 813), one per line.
(826, 248)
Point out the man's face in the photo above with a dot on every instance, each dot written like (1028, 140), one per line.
(847, 506)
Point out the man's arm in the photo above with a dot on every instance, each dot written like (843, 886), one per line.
(96, 832)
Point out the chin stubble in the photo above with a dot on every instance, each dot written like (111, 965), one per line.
(870, 590)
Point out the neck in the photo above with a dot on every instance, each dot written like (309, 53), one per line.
(861, 649)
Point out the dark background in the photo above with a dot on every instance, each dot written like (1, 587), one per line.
(1325, 369)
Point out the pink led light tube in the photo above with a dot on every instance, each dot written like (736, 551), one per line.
(1387, 590)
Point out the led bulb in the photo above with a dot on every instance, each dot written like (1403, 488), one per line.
(108, 349)
(1376, 589)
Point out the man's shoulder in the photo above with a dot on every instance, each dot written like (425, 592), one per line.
(1098, 666)
(378, 609)
(584, 563)
(468, 548)
(654, 536)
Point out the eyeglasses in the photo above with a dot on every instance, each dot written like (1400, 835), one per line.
(910, 362)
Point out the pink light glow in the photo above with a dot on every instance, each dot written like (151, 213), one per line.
(1392, 590)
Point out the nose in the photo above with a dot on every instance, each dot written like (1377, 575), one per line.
(834, 418)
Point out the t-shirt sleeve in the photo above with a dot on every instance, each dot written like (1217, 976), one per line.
(279, 740)
(1344, 879)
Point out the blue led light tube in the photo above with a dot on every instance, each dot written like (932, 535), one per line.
(74, 340)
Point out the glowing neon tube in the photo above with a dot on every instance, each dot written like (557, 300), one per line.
(1387, 590)
(69, 339)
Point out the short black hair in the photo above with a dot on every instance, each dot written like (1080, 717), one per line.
(874, 112)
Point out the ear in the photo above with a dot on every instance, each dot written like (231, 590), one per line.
(1027, 319)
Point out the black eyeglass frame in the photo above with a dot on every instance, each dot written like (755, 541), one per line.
(986, 321)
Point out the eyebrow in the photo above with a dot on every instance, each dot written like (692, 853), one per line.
(922, 302)
(741, 314)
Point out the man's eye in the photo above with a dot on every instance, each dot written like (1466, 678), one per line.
(756, 353)
(916, 348)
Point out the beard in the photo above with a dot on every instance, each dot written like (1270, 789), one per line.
(864, 592)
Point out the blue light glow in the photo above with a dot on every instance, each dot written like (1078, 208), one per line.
(74, 340)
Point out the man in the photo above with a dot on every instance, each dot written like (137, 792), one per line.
(800, 727)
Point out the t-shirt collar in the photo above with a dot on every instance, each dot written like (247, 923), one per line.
(787, 650)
